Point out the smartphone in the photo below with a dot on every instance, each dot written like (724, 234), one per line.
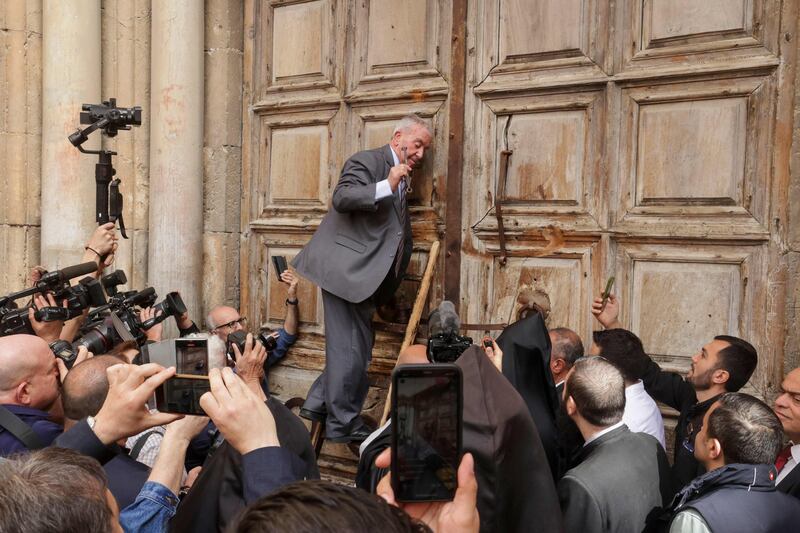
(607, 292)
(279, 262)
(181, 393)
(427, 406)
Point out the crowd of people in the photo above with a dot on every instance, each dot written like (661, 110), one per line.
(555, 436)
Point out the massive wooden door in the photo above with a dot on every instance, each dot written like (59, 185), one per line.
(324, 79)
(650, 141)
(647, 144)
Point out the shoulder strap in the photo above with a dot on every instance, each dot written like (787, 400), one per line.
(140, 442)
(19, 429)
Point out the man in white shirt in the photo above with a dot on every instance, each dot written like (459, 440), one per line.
(787, 407)
(624, 350)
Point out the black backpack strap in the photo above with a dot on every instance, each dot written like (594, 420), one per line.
(19, 429)
(140, 442)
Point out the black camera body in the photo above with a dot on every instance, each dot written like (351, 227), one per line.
(447, 347)
(86, 294)
(118, 321)
(115, 118)
(240, 337)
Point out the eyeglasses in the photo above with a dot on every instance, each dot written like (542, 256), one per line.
(232, 324)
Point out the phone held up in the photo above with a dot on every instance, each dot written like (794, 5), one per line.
(181, 393)
(427, 406)
(279, 262)
(606, 293)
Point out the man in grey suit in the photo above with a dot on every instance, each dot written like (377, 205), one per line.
(622, 476)
(358, 256)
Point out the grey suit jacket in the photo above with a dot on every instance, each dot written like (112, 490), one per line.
(354, 247)
(622, 478)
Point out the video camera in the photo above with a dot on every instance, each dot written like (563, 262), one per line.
(445, 345)
(118, 320)
(86, 294)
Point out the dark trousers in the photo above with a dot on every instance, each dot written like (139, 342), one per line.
(342, 387)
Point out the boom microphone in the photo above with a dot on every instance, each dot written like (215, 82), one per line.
(67, 273)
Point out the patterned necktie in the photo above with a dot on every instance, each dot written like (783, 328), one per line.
(401, 191)
(783, 458)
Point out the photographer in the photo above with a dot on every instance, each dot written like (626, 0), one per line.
(223, 320)
(29, 389)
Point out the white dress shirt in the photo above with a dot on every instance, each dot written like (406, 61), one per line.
(793, 461)
(641, 413)
(382, 188)
(603, 432)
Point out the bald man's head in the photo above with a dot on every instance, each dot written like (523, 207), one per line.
(416, 354)
(566, 348)
(222, 321)
(86, 386)
(28, 372)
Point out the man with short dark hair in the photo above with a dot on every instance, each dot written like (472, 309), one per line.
(622, 476)
(28, 391)
(738, 443)
(84, 391)
(624, 350)
(723, 365)
(566, 348)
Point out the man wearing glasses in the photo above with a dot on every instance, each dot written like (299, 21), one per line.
(223, 320)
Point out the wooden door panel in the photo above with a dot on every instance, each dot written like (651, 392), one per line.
(536, 42)
(294, 163)
(530, 28)
(296, 46)
(399, 47)
(677, 297)
(674, 35)
(557, 167)
(564, 276)
(270, 308)
(694, 150)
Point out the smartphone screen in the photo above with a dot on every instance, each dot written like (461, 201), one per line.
(279, 262)
(181, 394)
(426, 439)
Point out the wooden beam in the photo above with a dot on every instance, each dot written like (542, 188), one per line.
(455, 153)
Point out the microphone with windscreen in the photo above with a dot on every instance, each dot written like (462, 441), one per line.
(445, 345)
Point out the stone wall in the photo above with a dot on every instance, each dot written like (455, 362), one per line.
(126, 74)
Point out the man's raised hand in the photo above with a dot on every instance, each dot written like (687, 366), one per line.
(242, 417)
(125, 413)
(397, 173)
(459, 515)
(607, 315)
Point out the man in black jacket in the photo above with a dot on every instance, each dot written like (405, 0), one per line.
(723, 365)
(737, 445)
(622, 477)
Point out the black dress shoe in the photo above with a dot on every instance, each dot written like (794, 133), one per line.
(313, 415)
(357, 435)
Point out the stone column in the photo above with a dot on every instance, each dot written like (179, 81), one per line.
(71, 77)
(20, 140)
(175, 251)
